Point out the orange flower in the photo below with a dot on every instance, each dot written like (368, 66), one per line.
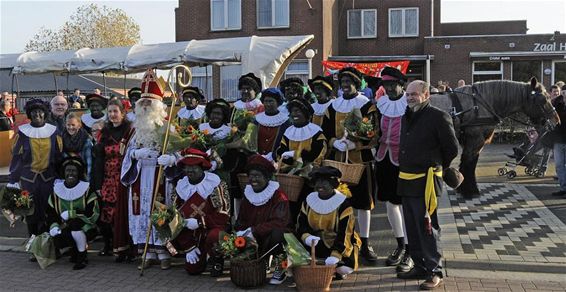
(205, 131)
(240, 242)
(284, 264)
(191, 128)
(194, 137)
(226, 237)
(371, 134)
(25, 193)
(160, 222)
(365, 120)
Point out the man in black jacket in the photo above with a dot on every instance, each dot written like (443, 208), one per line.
(428, 144)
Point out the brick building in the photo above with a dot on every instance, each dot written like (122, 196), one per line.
(376, 31)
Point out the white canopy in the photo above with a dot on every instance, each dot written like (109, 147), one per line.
(264, 56)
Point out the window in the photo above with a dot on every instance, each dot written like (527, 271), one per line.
(403, 22)
(483, 71)
(298, 68)
(362, 23)
(524, 70)
(229, 76)
(225, 14)
(202, 78)
(559, 71)
(272, 13)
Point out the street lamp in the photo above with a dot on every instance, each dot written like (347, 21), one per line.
(310, 54)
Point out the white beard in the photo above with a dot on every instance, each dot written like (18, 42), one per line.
(147, 124)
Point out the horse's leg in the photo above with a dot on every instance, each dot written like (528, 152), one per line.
(472, 139)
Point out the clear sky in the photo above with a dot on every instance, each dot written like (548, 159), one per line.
(20, 19)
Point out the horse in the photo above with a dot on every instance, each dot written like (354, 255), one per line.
(477, 109)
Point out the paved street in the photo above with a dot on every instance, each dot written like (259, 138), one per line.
(513, 238)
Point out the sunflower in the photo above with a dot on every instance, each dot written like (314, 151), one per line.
(240, 242)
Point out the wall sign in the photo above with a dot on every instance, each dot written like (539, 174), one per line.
(549, 47)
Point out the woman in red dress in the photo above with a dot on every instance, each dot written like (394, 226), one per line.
(109, 153)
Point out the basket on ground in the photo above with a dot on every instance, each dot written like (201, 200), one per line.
(313, 277)
(248, 273)
(351, 172)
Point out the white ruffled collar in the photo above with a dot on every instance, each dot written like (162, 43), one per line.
(88, 120)
(38, 132)
(185, 189)
(392, 108)
(320, 108)
(271, 121)
(347, 105)
(71, 194)
(323, 207)
(196, 113)
(303, 133)
(218, 133)
(258, 199)
(250, 105)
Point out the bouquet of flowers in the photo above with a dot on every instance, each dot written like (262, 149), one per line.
(18, 202)
(167, 221)
(188, 136)
(242, 118)
(237, 247)
(359, 128)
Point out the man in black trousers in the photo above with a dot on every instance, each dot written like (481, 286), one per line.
(428, 145)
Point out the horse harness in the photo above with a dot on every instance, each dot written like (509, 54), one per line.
(457, 111)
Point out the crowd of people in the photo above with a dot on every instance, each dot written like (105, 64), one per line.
(98, 173)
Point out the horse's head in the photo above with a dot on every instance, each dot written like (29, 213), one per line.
(538, 106)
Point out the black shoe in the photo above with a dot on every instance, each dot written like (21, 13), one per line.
(559, 193)
(74, 254)
(105, 252)
(32, 259)
(368, 254)
(217, 267)
(395, 257)
(406, 264)
(416, 273)
(81, 261)
(120, 258)
(340, 277)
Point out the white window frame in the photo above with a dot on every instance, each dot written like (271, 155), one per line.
(297, 72)
(225, 17)
(273, 16)
(206, 73)
(493, 72)
(403, 32)
(362, 36)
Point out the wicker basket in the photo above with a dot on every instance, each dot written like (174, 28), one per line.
(248, 274)
(351, 172)
(291, 185)
(243, 180)
(313, 277)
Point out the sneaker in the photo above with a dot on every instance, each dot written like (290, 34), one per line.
(279, 275)
(395, 257)
(368, 254)
(432, 282)
(406, 264)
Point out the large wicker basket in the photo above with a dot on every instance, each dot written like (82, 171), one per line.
(351, 172)
(248, 274)
(291, 185)
(313, 277)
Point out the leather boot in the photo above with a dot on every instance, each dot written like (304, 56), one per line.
(81, 261)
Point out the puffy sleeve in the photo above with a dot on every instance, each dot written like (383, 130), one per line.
(317, 151)
(345, 230)
(278, 217)
(17, 160)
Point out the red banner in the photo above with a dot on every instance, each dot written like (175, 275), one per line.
(371, 69)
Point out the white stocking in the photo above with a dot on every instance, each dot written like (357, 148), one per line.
(80, 240)
(364, 217)
(395, 216)
(150, 256)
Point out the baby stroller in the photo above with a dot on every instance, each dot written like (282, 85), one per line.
(531, 154)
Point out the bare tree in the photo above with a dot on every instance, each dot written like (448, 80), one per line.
(90, 26)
